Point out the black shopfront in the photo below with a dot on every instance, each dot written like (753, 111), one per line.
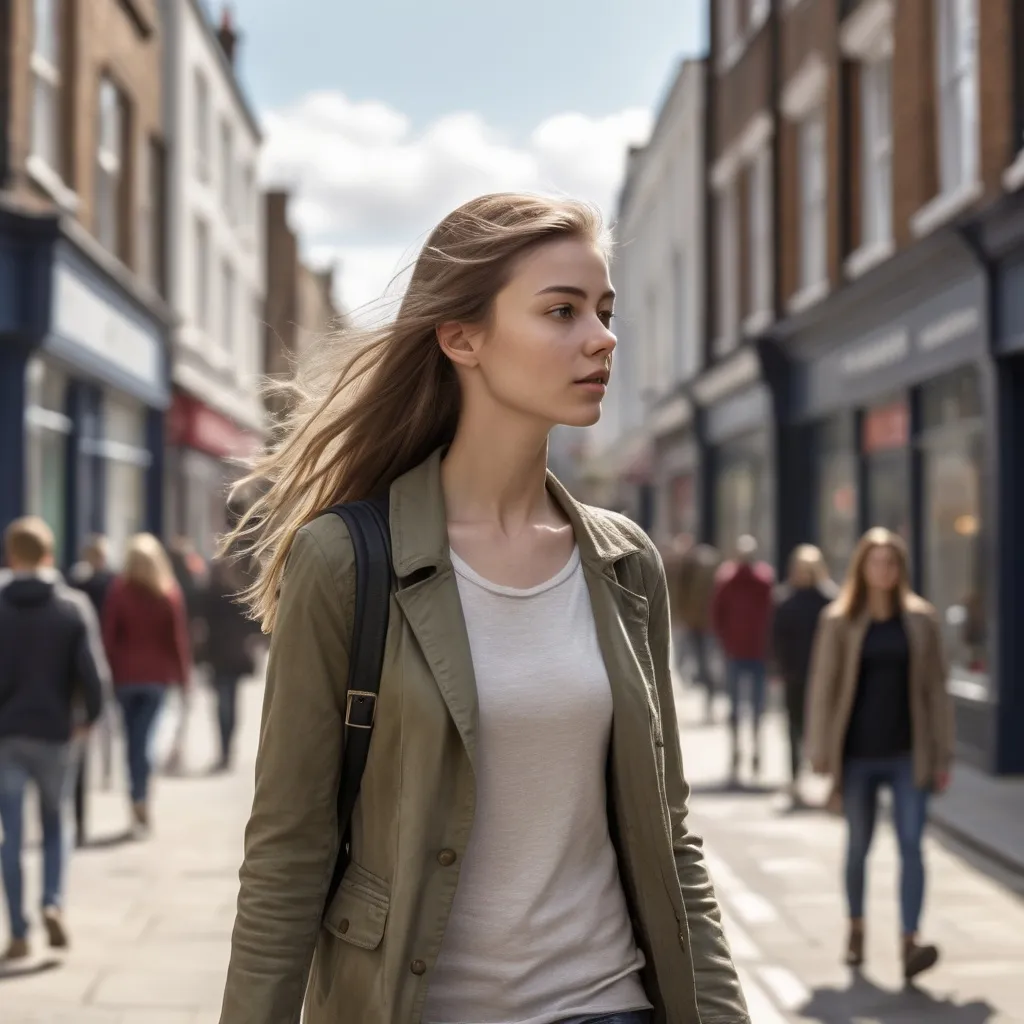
(885, 419)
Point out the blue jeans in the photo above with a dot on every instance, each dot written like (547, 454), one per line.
(628, 1017)
(49, 766)
(226, 688)
(754, 670)
(140, 706)
(862, 779)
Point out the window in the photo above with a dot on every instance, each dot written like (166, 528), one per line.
(876, 99)
(957, 22)
(813, 201)
(729, 40)
(247, 199)
(837, 501)
(126, 461)
(47, 431)
(760, 232)
(46, 82)
(111, 179)
(757, 13)
(680, 355)
(152, 262)
(728, 269)
(202, 126)
(227, 170)
(227, 274)
(885, 439)
(202, 269)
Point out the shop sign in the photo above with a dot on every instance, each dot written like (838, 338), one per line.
(749, 410)
(191, 424)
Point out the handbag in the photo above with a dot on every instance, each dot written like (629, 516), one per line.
(368, 526)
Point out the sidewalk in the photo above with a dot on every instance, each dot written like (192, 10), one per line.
(150, 921)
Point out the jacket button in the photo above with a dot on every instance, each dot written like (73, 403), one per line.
(446, 858)
(343, 925)
(418, 967)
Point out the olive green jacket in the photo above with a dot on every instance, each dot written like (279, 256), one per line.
(373, 953)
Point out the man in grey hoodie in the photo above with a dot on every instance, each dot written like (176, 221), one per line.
(53, 674)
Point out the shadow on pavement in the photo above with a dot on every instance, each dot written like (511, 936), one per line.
(107, 842)
(865, 1001)
(13, 972)
(732, 789)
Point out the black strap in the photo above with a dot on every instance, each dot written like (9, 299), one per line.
(367, 523)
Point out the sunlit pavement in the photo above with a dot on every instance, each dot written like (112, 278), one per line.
(778, 877)
(151, 921)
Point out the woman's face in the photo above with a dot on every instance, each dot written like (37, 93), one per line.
(882, 569)
(547, 351)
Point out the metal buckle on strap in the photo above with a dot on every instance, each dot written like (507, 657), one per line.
(361, 696)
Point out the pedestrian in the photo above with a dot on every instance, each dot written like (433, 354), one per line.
(92, 576)
(741, 612)
(51, 660)
(229, 650)
(880, 716)
(520, 849)
(695, 588)
(798, 605)
(146, 637)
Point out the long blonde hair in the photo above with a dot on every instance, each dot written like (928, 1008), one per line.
(853, 597)
(371, 403)
(147, 565)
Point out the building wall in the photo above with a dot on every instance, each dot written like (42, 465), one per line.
(221, 372)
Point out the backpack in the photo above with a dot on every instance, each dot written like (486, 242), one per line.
(368, 526)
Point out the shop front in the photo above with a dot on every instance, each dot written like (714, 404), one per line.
(85, 383)
(737, 455)
(206, 452)
(889, 396)
(675, 466)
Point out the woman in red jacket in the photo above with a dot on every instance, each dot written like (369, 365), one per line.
(146, 636)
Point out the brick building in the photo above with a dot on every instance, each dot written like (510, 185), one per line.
(83, 321)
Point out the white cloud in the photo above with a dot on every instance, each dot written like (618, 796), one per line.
(368, 187)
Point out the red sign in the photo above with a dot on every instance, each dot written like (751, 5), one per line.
(190, 424)
(886, 427)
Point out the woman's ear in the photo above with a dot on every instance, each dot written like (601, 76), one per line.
(460, 342)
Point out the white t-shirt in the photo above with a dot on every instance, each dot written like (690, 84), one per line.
(539, 931)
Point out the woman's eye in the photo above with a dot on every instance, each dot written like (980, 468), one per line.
(607, 317)
(563, 312)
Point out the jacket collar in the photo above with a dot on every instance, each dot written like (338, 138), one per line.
(419, 528)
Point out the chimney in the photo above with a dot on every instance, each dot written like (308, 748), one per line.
(226, 34)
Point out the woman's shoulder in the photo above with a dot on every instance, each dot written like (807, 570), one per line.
(916, 606)
(322, 548)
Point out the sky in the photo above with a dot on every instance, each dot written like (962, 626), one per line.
(384, 115)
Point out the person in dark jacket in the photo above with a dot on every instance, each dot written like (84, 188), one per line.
(229, 648)
(146, 635)
(52, 676)
(798, 606)
(92, 576)
(741, 612)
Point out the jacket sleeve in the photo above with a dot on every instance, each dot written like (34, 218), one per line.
(291, 841)
(940, 703)
(823, 680)
(719, 995)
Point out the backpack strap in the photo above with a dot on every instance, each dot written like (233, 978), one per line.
(368, 526)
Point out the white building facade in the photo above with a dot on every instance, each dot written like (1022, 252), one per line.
(642, 456)
(216, 270)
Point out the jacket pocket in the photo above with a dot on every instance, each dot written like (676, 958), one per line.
(358, 913)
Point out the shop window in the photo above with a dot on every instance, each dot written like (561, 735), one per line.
(837, 502)
(885, 441)
(952, 453)
(743, 497)
(127, 459)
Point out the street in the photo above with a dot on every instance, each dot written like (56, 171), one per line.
(151, 921)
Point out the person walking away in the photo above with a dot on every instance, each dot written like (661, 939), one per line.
(695, 589)
(512, 700)
(798, 605)
(231, 637)
(51, 662)
(92, 576)
(146, 636)
(741, 612)
(880, 716)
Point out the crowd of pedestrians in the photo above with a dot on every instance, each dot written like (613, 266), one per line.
(84, 655)
(863, 674)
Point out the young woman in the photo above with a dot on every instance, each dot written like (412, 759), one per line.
(880, 716)
(520, 851)
(146, 636)
(798, 605)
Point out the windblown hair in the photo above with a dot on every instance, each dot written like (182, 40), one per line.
(146, 564)
(371, 403)
(854, 594)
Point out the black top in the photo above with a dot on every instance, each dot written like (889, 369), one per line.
(797, 610)
(880, 721)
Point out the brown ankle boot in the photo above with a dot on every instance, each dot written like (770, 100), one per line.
(855, 947)
(918, 959)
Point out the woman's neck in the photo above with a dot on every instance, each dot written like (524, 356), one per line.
(881, 605)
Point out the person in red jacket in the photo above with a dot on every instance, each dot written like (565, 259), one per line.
(741, 611)
(145, 631)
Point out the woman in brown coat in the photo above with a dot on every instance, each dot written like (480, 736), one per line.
(880, 716)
